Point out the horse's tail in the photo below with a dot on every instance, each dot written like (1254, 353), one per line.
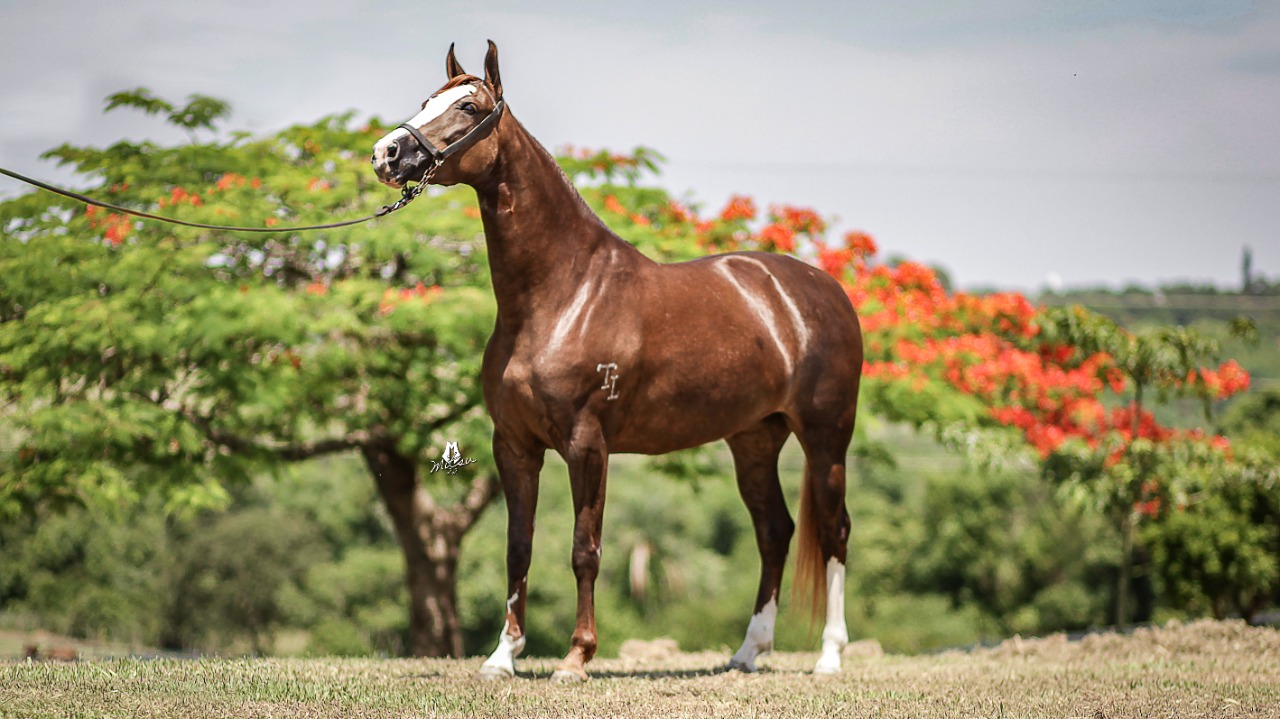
(810, 582)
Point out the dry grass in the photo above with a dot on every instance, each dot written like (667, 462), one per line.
(1205, 669)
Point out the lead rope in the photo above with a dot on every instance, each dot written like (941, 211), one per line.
(407, 194)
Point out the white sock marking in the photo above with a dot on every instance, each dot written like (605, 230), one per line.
(434, 108)
(503, 658)
(761, 308)
(835, 635)
(759, 639)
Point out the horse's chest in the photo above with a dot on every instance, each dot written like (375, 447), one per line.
(537, 395)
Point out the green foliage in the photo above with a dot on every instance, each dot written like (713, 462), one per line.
(1004, 545)
(1218, 551)
(586, 166)
(354, 606)
(228, 576)
(87, 574)
(1253, 421)
(200, 112)
(138, 356)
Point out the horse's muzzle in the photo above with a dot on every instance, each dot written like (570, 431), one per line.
(398, 162)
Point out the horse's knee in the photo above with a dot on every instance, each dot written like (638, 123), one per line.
(586, 561)
(519, 555)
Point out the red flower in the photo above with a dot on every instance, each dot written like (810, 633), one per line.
(861, 244)
(798, 219)
(778, 237)
(739, 208)
(612, 205)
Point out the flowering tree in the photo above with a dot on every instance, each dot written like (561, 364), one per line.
(137, 357)
(1074, 386)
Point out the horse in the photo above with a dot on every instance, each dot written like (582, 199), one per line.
(598, 349)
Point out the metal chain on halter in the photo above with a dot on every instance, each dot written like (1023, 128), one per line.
(409, 194)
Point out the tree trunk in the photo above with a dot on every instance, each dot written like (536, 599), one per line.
(429, 537)
(432, 575)
(1126, 568)
(1126, 520)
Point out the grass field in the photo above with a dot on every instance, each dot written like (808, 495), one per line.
(1205, 669)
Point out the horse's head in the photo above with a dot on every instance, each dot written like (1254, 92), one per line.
(455, 130)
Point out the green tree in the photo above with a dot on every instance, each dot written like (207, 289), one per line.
(1220, 553)
(1135, 472)
(227, 579)
(138, 357)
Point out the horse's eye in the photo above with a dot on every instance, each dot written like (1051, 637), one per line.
(468, 108)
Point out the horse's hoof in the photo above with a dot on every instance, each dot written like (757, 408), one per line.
(493, 673)
(566, 676)
(738, 665)
(826, 668)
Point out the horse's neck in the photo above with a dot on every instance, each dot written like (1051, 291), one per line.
(540, 234)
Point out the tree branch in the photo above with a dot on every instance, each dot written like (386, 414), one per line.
(288, 452)
(484, 489)
(450, 417)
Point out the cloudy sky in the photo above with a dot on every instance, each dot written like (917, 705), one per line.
(1017, 143)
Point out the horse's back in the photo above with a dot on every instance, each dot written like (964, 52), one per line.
(771, 321)
(785, 291)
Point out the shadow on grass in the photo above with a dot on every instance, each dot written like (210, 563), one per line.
(643, 673)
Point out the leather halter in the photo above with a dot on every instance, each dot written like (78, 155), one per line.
(473, 135)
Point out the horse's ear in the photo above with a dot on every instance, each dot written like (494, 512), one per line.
(491, 75)
(451, 65)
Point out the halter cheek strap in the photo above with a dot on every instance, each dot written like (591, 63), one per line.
(473, 135)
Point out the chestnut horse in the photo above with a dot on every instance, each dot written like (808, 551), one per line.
(598, 349)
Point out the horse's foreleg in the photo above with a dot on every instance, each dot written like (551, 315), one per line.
(518, 469)
(755, 459)
(587, 458)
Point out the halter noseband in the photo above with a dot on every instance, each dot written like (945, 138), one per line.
(439, 156)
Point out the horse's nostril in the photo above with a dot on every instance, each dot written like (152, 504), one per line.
(392, 150)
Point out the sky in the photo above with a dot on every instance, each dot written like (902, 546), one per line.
(1019, 144)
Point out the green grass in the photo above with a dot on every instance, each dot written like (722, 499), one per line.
(1203, 669)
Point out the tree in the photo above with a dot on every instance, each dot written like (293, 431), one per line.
(141, 358)
(1128, 463)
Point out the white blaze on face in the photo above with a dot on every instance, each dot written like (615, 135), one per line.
(835, 635)
(434, 108)
(759, 639)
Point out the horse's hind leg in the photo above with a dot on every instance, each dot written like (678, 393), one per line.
(824, 533)
(755, 458)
